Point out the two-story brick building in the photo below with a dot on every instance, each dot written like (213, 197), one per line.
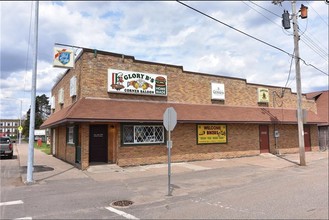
(110, 108)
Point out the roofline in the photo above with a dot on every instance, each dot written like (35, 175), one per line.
(84, 49)
(80, 120)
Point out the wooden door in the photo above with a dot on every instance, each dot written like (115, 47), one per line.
(264, 144)
(98, 143)
(307, 138)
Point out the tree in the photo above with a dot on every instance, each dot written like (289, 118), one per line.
(42, 112)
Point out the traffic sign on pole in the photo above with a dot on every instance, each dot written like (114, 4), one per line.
(170, 119)
(169, 122)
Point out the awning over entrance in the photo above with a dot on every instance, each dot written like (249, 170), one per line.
(113, 110)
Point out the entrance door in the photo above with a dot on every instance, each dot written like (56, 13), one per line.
(307, 138)
(264, 139)
(98, 143)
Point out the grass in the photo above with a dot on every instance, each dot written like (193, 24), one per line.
(44, 148)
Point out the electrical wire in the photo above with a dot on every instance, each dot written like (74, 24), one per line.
(261, 14)
(292, 58)
(28, 47)
(265, 9)
(283, 30)
(314, 49)
(248, 35)
(322, 51)
(309, 4)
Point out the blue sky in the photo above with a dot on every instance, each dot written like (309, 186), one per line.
(164, 32)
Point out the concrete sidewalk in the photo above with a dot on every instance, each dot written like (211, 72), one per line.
(48, 167)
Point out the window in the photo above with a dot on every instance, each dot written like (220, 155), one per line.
(143, 134)
(72, 135)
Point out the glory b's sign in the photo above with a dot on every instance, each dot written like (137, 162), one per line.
(137, 83)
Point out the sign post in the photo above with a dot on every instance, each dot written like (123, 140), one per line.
(169, 122)
(20, 129)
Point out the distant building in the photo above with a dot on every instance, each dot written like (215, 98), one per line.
(322, 102)
(9, 127)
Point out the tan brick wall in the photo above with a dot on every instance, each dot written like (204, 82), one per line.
(314, 138)
(183, 87)
(84, 131)
(243, 140)
(61, 144)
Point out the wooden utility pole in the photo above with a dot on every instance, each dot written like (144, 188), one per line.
(298, 87)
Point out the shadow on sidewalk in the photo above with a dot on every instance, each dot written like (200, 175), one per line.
(37, 168)
(291, 161)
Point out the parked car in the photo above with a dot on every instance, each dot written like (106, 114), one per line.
(6, 147)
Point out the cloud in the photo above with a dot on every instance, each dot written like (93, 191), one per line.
(165, 32)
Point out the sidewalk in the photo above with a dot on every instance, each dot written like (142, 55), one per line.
(48, 167)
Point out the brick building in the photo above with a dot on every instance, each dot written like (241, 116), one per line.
(110, 107)
(9, 127)
(322, 103)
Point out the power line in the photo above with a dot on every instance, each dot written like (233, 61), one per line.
(28, 48)
(275, 47)
(309, 4)
(265, 9)
(248, 35)
(283, 30)
(307, 43)
(261, 14)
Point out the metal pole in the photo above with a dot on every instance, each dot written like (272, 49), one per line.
(298, 87)
(169, 162)
(29, 178)
(20, 124)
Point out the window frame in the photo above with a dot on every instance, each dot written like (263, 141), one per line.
(72, 139)
(125, 144)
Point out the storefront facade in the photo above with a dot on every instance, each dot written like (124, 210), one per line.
(110, 107)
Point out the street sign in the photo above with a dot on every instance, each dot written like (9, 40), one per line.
(20, 128)
(170, 119)
(169, 122)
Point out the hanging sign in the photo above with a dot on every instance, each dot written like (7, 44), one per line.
(63, 58)
(211, 134)
(130, 82)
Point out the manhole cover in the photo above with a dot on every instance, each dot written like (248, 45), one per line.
(122, 203)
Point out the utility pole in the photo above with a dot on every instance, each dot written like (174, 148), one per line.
(20, 124)
(30, 156)
(286, 25)
(298, 87)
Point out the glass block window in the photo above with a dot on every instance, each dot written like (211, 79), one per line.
(143, 134)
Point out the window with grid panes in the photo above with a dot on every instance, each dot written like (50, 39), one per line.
(143, 134)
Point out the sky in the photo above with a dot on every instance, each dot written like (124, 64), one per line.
(163, 32)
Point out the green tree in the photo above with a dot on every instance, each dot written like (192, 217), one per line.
(42, 112)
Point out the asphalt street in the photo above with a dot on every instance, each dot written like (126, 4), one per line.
(261, 187)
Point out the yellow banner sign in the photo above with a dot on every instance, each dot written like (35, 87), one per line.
(211, 134)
